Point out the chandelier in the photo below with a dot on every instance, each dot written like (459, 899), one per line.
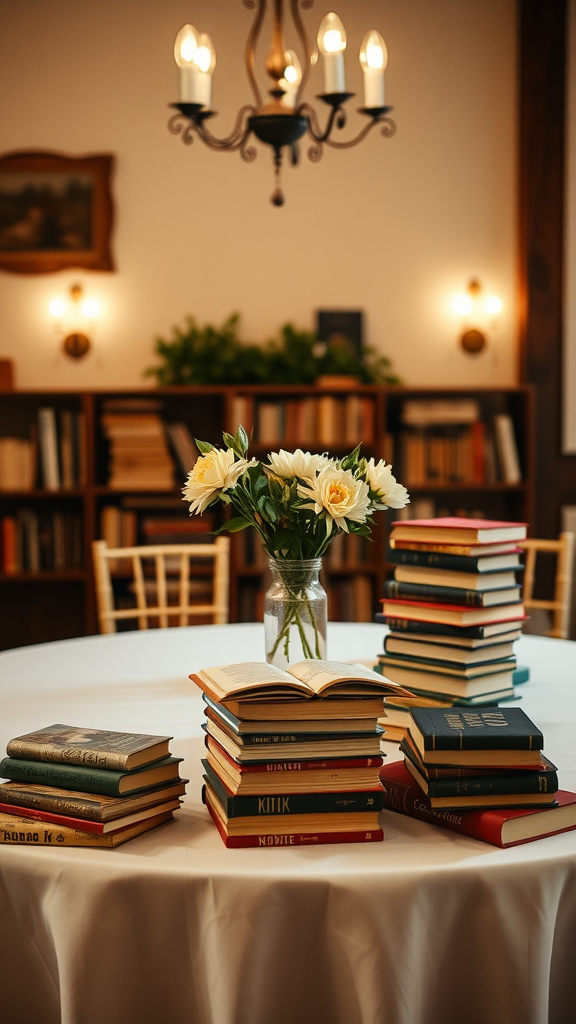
(284, 119)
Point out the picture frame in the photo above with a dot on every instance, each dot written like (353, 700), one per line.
(341, 326)
(56, 212)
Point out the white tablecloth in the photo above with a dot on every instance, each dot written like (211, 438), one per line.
(425, 928)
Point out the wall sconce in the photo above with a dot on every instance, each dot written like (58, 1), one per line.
(74, 318)
(478, 314)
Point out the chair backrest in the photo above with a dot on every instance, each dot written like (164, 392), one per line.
(181, 560)
(560, 606)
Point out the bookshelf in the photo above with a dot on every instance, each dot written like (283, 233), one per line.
(81, 480)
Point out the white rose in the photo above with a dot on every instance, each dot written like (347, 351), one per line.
(381, 481)
(298, 463)
(338, 494)
(213, 472)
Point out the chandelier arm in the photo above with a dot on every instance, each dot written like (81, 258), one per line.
(250, 51)
(237, 136)
(309, 51)
(387, 129)
(314, 130)
(180, 125)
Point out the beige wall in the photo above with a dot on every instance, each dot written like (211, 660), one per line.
(393, 227)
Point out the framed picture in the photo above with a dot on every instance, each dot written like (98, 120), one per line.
(341, 327)
(55, 212)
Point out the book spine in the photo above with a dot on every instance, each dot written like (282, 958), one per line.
(398, 625)
(404, 796)
(294, 803)
(73, 807)
(432, 560)
(528, 782)
(48, 440)
(294, 766)
(375, 835)
(56, 754)
(429, 592)
(97, 827)
(64, 776)
(16, 831)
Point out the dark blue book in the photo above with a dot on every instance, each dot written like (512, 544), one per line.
(292, 803)
(458, 563)
(450, 595)
(492, 629)
(480, 668)
(484, 783)
(449, 729)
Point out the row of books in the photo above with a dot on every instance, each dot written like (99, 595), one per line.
(476, 454)
(53, 457)
(292, 757)
(426, 507)
(481, 773)
(72, 786)
(454, 611)
(312, 421)
(49, 540)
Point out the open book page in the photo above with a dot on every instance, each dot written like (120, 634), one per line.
(341, 677)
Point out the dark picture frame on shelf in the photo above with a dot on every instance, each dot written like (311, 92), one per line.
(341, 327)
(56, 212)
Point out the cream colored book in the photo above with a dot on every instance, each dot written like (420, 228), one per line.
(17, 831)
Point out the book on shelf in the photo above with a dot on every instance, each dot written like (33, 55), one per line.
(139, 455)
(86, 825)
(96, 807)
(296, 838)
(19, 831)
(9, 552)
(454, 615)
(416, 646)
(451, 595)
(242, 413)
(292, 745)
(459, 579)
(184, 447)
(277, 824)
(507, 449)
(99, 748)
(457, 530)
(426, 412)
(432, 560)
(91, 780)
(458, 634)
(17, 464)
(48, 448)
(45, 541)
(278, 804)
(501, 827)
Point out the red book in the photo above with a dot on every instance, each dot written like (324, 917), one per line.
(329, 764)
(456, 530)
(375, 835)
(502, 827)
(82, 824)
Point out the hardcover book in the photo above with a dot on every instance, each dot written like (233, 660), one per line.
(300, 838)
(449, 578)
(453, 562)
(500, 827)
(294, 746)
(267, 804)
(92, 806)
(452, 615)
(15, 831)
(421, 682)
(542, 783)
(402, 624)
(447, 639)
(450, 595)
(270, 728)
(255, 680)
(446, 653)
(456, 530)
(90, 780)
(322, 780)
(446, 667)
(310, 708)
(85, 825)
(97, 748)
(453, 549)
(497, 729)
(459, 771)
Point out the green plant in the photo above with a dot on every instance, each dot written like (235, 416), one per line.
(211, 355)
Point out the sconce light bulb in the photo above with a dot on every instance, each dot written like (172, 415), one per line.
(463, 304)
(373, 53)
(185, 46)
(205, 55)
(90, 309)
(56, 308)
(331, 34)
(494, 305)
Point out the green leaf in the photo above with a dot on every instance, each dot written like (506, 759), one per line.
(234, 525)
(242, 438)
(350, 460)
(203, 446)
(272, 513)
(260, 486)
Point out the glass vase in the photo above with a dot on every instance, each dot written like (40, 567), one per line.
(295, 612)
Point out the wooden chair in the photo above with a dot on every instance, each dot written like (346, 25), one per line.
(560, 606)
(180, 556)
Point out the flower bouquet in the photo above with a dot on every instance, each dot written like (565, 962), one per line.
(297, 502)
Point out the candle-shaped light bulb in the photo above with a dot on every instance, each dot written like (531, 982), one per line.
(494, 305)
(291, 79)
(56, 308)
(332, 43)
(90, 309)
(204, 64)
(185, 48)
(373, 60)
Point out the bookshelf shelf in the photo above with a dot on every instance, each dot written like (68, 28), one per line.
(291, 416)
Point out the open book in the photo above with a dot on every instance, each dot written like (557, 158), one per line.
(255, 680)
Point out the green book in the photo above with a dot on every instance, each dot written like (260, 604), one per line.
(458, 729)
(90, 780)
(292, 803)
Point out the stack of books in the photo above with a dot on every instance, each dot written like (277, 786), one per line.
(479, 772)
(292, 758)
(86, 787)
(140, 458)
(454, 610)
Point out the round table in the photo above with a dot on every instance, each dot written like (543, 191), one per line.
(426, 928)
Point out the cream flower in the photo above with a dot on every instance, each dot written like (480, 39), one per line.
(214, 472)
(298, 463)
(338, 494)
(381, 481)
